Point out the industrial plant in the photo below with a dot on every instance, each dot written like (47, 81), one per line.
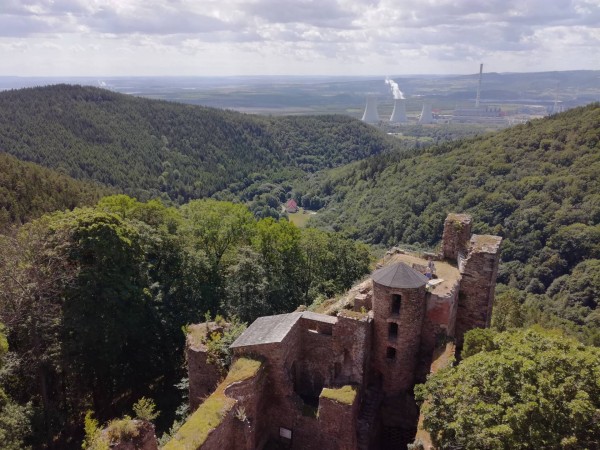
(494, 113)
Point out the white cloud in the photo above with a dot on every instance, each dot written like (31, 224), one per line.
(209, 37)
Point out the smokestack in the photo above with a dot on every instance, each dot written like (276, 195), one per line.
(399, 113)
(371, 115)
(479, 86)
(426, 116)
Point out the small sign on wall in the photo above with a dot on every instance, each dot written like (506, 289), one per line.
(285, 433)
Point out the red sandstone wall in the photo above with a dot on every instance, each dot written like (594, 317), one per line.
(399, 373)
(476, 297)
(307, 359)
(440, 318)
(315, 366)
(203, 376)
(457, 231)
(280, 405)
(338, 424)
(352, 348)
(233, 433)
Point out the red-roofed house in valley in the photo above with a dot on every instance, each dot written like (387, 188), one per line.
(291, 206)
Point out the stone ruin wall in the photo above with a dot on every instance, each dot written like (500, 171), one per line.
(476, 296)
(233, 433)
(280, 404)
(314, 365)
(457, 232)
(352, 346)
(203, 376)
(440, 319)
(311, 356)
(337, 423)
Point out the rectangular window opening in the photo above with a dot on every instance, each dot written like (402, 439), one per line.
(390, 353)
(285, 433)
(396, 300)
(393, 331)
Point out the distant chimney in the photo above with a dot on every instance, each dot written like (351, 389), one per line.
(426, 116)
(399, 113)
(371, 115)
(479, 86)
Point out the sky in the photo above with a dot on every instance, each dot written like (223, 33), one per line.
(295, 37)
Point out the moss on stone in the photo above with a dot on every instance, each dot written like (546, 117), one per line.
(485, 243)
(196, 335)
(345, 394)
(242, 369)
(357, 315)
(210, 414)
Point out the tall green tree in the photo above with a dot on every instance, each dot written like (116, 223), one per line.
(527, 389)
(15, 425)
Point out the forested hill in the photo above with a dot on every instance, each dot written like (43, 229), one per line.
(149, 147)
(27, 191)
(537, 185)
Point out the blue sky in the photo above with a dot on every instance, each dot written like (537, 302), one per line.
(300, 37)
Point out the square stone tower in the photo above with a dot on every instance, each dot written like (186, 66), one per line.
(457, 232)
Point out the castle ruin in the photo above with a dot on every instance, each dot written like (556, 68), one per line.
(306, 380)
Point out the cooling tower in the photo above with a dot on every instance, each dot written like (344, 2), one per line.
(371, 115)
(399, 113)
(426, 116)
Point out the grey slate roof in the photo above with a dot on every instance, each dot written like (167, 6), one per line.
(267, 330)
(399, 275)
(272, 329)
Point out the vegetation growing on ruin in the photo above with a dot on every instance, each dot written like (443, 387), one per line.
(211, 412)
(345, 394)
(522, 389)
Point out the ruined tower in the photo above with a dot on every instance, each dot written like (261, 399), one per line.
(476, 297)
(399, 302)
(457, 232)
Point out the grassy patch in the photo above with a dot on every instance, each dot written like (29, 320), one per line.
(357, 315)
(345, 394)
(196, 334)
(301, 217)
(209, 415)
(242, 369)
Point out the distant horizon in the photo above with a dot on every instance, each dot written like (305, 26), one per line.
(315, 75)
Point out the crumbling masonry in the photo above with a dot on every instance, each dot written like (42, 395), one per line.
(345, 382)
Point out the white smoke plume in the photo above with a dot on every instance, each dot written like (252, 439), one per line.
(397, 93)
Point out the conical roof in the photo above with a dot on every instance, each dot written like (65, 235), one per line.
(399, 275)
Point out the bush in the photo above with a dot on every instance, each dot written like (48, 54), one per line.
(144, 409)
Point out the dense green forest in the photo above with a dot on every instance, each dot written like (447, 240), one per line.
(94, 300)
(537, 185)
(149, 148)
(27, 191)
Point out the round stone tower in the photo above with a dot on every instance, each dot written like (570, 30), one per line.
(399, 304)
